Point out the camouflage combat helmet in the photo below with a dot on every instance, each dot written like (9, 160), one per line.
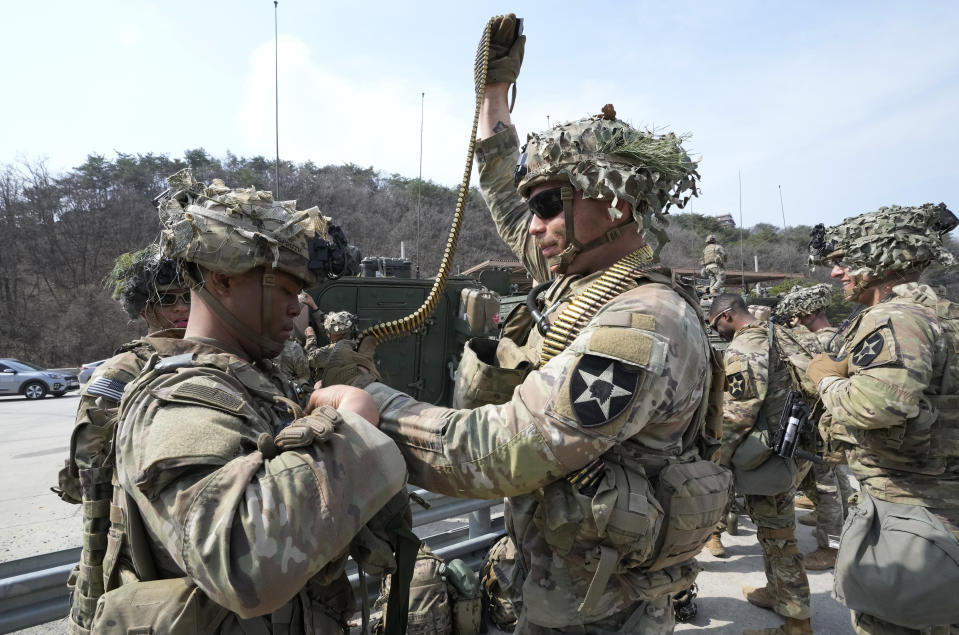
(801, 301)
(890, 239)
(710, 239)
(605, 158)
(233, 231)
(339, 322)
(140, 277)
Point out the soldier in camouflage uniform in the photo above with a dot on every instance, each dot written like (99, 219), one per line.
(585, 445)
(755, 396)
(714, 265)
(148, 286)
(231, 513)
(826, 484)
(892, 390)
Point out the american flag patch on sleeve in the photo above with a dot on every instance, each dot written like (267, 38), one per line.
(106, 387)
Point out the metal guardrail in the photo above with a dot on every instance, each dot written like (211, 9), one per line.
(33, 590)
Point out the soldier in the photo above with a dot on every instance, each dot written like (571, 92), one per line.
(148, 286)
(230, 514)
(892, 393)
(588, 445)
(339, 325)
(826, 484)
(757, 383)
(714, 265)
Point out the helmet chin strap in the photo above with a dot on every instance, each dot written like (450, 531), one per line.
(268, 347)
(564, 259)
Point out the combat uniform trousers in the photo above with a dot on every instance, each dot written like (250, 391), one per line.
(652, 617)
(717, 277)
(775, 521)
(829, 490)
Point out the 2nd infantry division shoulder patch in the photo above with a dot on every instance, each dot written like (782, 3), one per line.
(601, 389)
(736, 385)
(868, 350)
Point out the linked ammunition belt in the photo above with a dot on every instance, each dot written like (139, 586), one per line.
(616, 280)
(584, 306)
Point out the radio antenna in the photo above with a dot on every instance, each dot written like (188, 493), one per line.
(276, 97)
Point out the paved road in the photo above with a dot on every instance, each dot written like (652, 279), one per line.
(36, 437)
(36, 440)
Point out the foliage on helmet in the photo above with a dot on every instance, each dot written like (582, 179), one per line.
(605, 158)
(889, 239)
(233, 230)
(138, 277)
(802, 301)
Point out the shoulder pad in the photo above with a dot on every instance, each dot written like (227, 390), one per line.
(170, 364)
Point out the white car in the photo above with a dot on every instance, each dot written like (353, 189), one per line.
(33, 382)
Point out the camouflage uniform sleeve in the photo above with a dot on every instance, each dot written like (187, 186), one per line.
(627, 374)
(747, 368)
(496, 160)
(249, 531)
(890, 366)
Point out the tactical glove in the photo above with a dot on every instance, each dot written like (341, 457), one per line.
(319, 425)
(343, 365)
(506, 44)
(823, 365)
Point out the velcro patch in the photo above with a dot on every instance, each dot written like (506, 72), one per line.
(629, 345)
(208, 395)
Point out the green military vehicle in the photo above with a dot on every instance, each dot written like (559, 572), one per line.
(422, 363)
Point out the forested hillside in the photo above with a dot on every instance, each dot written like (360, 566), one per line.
(59, 235)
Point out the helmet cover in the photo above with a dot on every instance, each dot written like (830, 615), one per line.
(605, 158)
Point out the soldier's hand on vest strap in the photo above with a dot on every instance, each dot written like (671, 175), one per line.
(823, 365)
(344, 365)
(506, 46)
(344, 397)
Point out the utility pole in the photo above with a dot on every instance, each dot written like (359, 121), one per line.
(276, 95)
(419, 185)
(742, 258)
(781, 208)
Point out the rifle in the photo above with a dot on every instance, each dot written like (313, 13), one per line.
(793, 423)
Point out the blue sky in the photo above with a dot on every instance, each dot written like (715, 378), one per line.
(845, 105)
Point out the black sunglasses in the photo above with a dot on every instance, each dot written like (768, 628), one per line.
(171, 299)
(547, 204)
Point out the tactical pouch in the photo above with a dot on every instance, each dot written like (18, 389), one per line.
(897, 562)
(430, 612)
(174, 607)
(502, 578)
(487, 375)
(466, 595)
(759, 471)
(614, 530)
(694, 497)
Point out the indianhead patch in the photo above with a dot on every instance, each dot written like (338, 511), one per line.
(868, 350)
(601, 389)
(736, 385)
